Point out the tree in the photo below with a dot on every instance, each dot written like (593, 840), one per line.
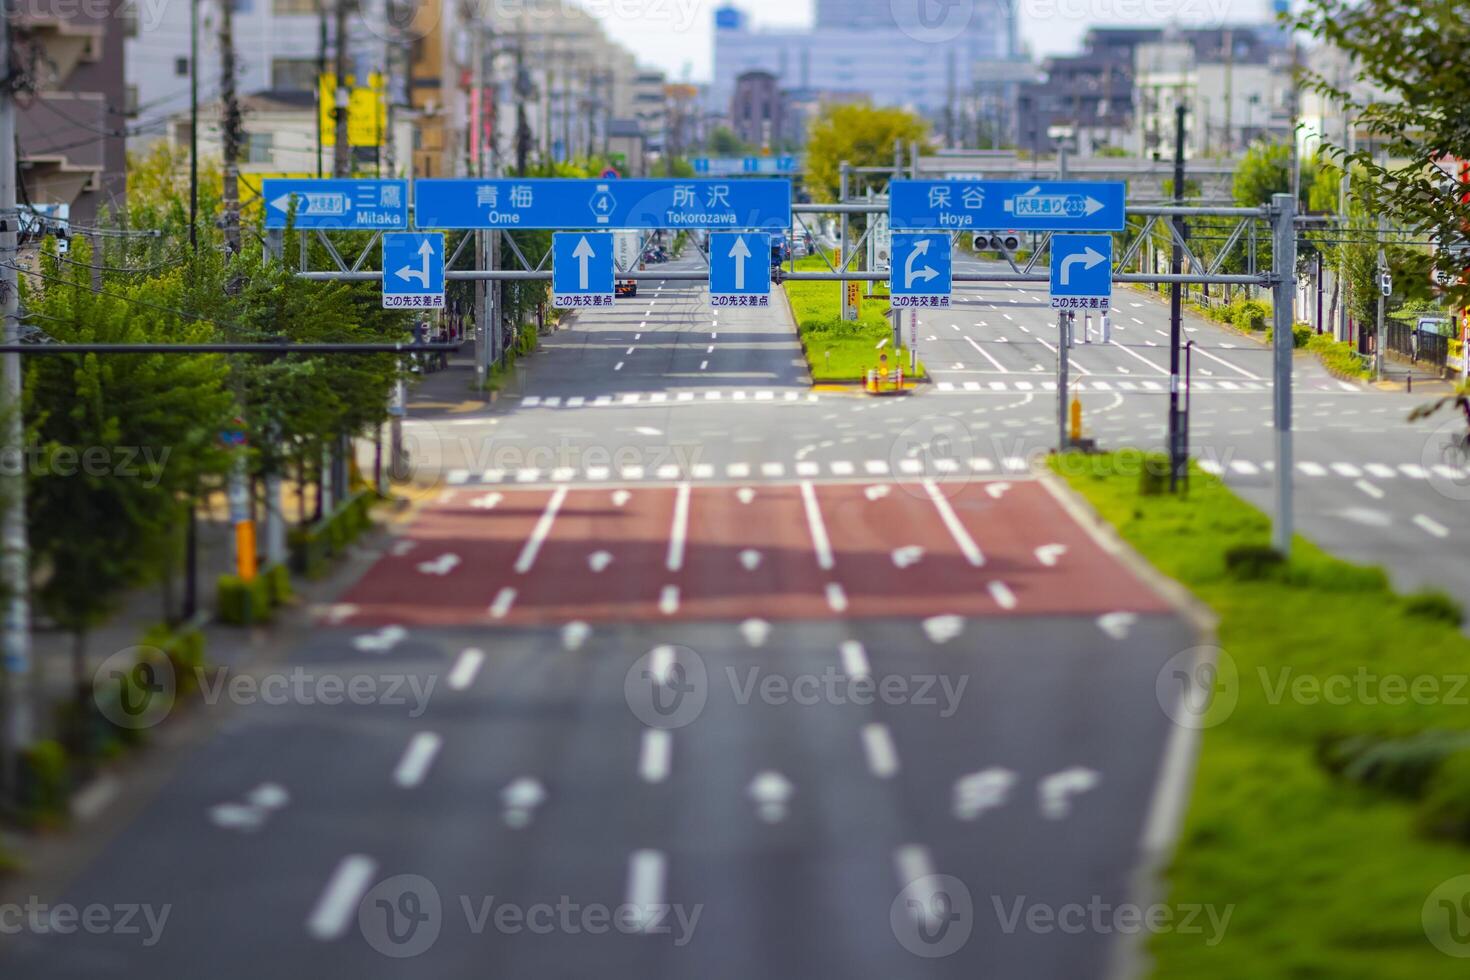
(1415, 53)
(724, 143)
(859, 134)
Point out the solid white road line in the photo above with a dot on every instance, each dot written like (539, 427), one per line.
(957, 530)
(679, 529)
(878, 744)
(417, 759)
(986, 354)
(337, 906)
(820, 543)
(646, 872)
(465, 668)
(1238, 370)
(502, 602)
(1431, 525)
(653, 755)
(855, 659)
(540, 531)
(1135, 354)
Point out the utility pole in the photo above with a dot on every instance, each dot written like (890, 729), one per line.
(341, 150)
(229, 128)
(523, 125)
(1283, 261)
(16, 721)
(1177, 458)
(321, 73)
(1378, 336)
(193, 126)
(847, 313)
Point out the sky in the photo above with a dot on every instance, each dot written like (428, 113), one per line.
(677, 35)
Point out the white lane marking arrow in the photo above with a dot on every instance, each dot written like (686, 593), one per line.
(582, 253)
(739, 252)
(486, 502)
(755, 631)
(1048, 554)
(599, 560)
(924, 272)
(907, 555)
(750, 559)
(980, 791)
(402, 547)
(745, 495)
(771, 791)
(620, 497)
(877, 492)
(1116, 624)
(1056, 791)
(442, 565)
(574, 634)
(382, 641)
(422, 274)
(942, 629)
(996, 489)
(1087, 258)
(521, 797)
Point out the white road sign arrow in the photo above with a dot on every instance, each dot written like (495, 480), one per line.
(1056, 791)
(1087, 258)
(582, 253)
(981, 791)
(770, 790)
(421, 274)
(521, 797)
(923, 272)
(739, 252)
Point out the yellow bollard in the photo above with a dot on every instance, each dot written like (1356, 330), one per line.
(1076, 427)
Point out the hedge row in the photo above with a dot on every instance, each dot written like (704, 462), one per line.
(243, 603)
(312, 547)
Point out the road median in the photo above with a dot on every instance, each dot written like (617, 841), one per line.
(1329, 804)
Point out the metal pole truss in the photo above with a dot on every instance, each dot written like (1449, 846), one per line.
(1199, 272)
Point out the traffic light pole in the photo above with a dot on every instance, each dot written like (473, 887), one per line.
(1283, 264)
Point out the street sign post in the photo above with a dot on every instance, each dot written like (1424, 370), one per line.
(921, 272)
(1081, 272)
(581, 269)
(376, 205)
(413, 270)
(739, 269)
(565, 203)
(1019, 205)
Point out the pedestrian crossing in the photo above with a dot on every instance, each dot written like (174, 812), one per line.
(667, 397)
(908, 466)
(1098, 384)
(1342, 470)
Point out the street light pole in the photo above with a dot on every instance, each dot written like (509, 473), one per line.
(1177, 459)
(1283, 262)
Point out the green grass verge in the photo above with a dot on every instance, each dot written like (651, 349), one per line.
(839, 350)
(1328, 879)
(1339, 357)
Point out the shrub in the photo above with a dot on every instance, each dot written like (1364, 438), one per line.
(1338, 357)
(1445, 809)
(243, 603)
(45, 783)
(1253, 562)
(1251, 314)
(1435, 605)
(1401, 765)
(278, 583)
(184, 648)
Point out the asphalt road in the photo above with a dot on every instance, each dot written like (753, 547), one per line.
(682, 669)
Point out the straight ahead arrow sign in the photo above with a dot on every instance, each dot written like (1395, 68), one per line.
(582, 253)
(739, 252)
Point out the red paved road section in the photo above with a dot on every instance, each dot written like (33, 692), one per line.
(798, 551)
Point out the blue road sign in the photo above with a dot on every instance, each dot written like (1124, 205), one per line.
(1081, 272)
(380, 205)
(413, 270)
(597, 203)
(921, 271)
(581, 269)
(1006, 205)
(739, 269)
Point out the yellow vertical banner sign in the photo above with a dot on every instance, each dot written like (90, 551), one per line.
(367, 110)
(854, 297)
